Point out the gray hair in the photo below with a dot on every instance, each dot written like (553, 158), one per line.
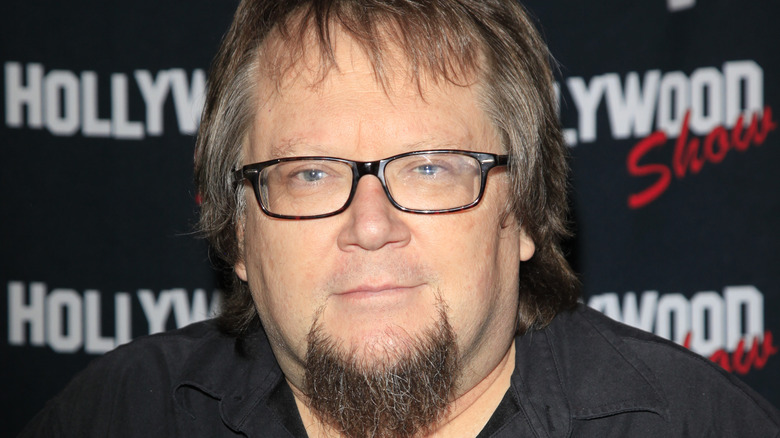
(492, 40)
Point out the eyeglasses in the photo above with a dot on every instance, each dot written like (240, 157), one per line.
(426, 182)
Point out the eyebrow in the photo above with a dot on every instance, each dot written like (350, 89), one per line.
(292, 147)
(297, 147)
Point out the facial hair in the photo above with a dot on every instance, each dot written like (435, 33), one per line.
(403, 396)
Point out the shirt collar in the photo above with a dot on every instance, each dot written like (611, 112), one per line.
(579, 368)
(575, 368)
(239, 378)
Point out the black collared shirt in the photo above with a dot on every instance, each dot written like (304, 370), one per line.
(583, 376)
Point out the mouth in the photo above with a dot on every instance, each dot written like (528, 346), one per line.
(367, 291)
(369, 309)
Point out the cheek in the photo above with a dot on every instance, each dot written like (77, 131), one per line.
(466, 258)
(282, 269)
(284, 250)
(479, 267)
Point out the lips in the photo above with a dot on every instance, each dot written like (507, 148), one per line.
(369, 290)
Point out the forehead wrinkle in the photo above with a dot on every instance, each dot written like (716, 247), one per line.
(304, 74)
(298, 147)
(309, 143)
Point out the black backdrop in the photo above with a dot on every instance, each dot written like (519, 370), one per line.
(674, 197)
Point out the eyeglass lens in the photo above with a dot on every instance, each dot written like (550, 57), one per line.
(429, 182)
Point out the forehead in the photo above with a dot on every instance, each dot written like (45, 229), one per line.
(308, 103)
(427, 47)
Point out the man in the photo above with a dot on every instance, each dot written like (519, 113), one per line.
(387, 181)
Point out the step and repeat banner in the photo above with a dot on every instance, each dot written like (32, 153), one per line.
(667, 106)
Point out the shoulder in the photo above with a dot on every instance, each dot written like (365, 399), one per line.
(174, 343)
(132, 382)
(696, 393)
(156, 358)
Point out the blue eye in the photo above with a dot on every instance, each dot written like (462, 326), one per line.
(428, 169)
(310, 175)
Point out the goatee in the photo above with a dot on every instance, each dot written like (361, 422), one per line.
(405, 395)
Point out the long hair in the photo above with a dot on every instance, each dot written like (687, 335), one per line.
(492, 40)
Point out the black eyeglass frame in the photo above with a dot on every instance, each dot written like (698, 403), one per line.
(251, 172)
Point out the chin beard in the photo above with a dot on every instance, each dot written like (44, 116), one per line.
(398, 393)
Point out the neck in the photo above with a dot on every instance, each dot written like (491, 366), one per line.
(466, 415)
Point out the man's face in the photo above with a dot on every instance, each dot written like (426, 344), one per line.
(375, 278)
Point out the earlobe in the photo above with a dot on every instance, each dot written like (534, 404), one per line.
(240, 269)
(527, 246)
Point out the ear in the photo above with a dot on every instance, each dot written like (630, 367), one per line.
(240, 267)
(527, 246)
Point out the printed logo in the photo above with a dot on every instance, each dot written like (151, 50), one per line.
(68, 321)
(710, 113)
(65, 103)
(679, 5)
(728, 328)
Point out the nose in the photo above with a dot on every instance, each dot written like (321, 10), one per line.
(373, 223)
